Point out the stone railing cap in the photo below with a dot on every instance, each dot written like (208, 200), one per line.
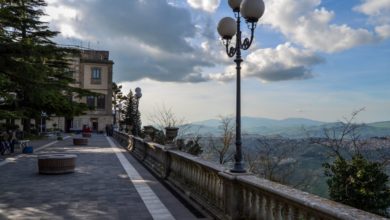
(311, 201)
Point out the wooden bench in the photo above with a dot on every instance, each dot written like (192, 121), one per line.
(56, 163)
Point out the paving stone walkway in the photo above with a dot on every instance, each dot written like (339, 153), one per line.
(99, 189)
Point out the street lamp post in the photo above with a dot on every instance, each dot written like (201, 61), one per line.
(119, 114)
(251, 11)
(43, 114)
(138, 95)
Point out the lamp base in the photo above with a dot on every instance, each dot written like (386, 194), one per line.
(238, 168)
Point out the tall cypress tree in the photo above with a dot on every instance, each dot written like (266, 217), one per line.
(130, 109)
(132, 115)
(32, 66)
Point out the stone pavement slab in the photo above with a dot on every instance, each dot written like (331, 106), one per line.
(99, 189)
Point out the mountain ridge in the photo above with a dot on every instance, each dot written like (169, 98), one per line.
(288, 127)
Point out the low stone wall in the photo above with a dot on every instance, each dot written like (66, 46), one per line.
(234, 196)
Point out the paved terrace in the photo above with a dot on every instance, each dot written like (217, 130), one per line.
(108, 184)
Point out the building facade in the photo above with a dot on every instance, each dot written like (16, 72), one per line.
(92, 71)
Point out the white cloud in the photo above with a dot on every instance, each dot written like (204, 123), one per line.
(383, 31)
(302, 22)
(373, 7)
(379, 15)
(284, 62)
(140, 48)
(205, 5)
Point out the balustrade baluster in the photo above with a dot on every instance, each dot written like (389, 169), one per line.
(203, 180)
(296, 213)
(285, 212)
(254, 205)
(247, 202)
(268, 208)
(278, 210)
(209, 188)
(192, 177)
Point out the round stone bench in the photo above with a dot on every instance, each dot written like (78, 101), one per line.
(56, 163)
(87, 134)
(80, 141)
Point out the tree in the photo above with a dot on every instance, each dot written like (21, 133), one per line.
(221, 146)
(132, 114)
(34, 67)
(274, 158)
(165, 117)
(353, 179)
(359, 183)
(117, 98)
(192, 146)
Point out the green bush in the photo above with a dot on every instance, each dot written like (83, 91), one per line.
(359, 183)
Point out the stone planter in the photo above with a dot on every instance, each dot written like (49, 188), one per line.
(87, 134)
(171, 133)
(129, 129)
(80, 141)
(56, 163)
(149, 132)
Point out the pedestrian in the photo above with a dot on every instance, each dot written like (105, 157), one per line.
(4, 141)
(107, 130)
(12, 140)
(111, 130)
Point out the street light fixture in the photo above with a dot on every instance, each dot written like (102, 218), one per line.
(251, 11)
(138, 95)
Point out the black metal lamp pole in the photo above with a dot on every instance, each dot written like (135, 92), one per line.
(138, 95)
(251, 10)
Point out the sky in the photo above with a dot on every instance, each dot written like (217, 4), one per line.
(316, 59)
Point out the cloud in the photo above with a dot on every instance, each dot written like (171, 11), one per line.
(205, 5)
(378, 12)
(373, 7)
(303, 23)
(284, 62)
(383, 31)
(146, 38)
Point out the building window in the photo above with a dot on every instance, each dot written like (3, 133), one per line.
(101, 102)
(96, 75)
(91, 102)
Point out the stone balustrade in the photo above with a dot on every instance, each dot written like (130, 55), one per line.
(226, 195)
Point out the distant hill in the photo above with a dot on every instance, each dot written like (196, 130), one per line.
(290, 127)
(250, 122)
(382, 124)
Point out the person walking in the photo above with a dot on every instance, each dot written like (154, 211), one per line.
(12, 140)
(107, 130)
(4, 141)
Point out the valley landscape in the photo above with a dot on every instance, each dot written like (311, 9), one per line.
(301, 137)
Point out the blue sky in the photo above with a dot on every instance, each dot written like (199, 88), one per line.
(319, 59)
